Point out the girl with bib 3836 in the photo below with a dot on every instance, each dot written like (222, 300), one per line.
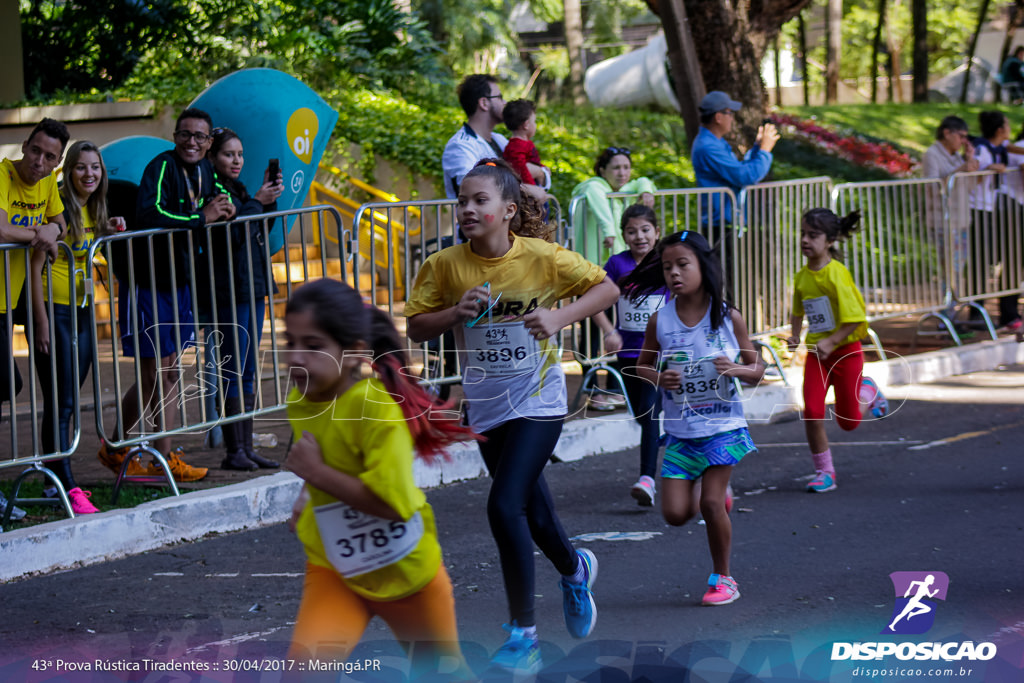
(693, 348)
(498, 293)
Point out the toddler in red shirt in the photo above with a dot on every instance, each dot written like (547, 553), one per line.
(521, 120)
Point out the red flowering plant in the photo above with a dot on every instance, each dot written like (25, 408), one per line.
(852, 147)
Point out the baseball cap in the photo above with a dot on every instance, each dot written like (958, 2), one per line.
(716, 101)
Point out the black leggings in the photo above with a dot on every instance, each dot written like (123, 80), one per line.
(645, 400)
(520, 509)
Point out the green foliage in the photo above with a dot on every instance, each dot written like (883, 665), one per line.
(950, 23)
(172, 50)
(90, 45)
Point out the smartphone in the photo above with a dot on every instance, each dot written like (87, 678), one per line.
(272, 170)
(764, 121)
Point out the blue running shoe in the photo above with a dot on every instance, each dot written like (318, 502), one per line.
(578, 600)
(823, 482)
(879, 406)
(519, 654)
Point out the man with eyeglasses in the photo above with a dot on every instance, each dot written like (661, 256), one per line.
(481, 99)
(178, 190)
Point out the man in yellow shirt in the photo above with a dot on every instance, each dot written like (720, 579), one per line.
(30, 214)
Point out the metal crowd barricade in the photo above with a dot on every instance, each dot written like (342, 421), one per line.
(25, 382)
(894, 257)
(196, 265)
(985, 223)
(768, 252)
(403, 235)
(676, 210)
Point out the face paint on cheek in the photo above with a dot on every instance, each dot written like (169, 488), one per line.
(489, 217)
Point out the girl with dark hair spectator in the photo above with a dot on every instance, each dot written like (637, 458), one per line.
(695, 337)
(952, 152)
(824, 291)
(353, 445)
(84, 195)
(499, 293)
(596, 232)
(625, 338)
(990, 214)
(237, 304)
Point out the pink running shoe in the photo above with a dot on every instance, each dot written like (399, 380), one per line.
(80, 504)
(721, 590)
(728, 498)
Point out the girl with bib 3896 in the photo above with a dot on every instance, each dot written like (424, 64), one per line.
(498, 292)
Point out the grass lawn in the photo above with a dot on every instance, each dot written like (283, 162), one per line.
(910, 127)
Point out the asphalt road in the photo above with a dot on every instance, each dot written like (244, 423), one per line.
(938, 486)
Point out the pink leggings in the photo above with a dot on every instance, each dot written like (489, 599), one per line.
(842, 371)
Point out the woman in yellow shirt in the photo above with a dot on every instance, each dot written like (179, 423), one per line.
(84, 195)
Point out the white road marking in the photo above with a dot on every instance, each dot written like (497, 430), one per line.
(965, 436)
(617, 536)
(236, 640)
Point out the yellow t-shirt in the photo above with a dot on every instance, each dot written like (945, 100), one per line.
(506, 374)
(830, 299)
(363, 433)
(59, 268)
(26, 206)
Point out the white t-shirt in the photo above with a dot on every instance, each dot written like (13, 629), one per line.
(461, 154)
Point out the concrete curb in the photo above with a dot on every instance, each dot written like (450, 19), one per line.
(266, 500)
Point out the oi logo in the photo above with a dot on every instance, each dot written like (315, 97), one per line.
(914, 612)
(301, 131)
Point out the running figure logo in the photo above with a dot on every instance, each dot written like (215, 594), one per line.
(915, 610)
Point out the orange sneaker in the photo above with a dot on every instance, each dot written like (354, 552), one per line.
(180, 470)
(112, 457)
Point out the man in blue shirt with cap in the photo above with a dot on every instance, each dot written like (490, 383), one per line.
(716, 165)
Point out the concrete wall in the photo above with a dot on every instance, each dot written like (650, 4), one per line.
(100, 122)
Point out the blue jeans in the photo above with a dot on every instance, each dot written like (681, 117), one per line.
(247, 324)
(60, 366)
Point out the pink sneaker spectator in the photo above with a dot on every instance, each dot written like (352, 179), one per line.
(721, 590)
(80, 504)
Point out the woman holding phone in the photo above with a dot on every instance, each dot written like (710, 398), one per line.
(239, 300)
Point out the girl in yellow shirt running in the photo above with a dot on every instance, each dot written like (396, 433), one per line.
(498, 293)
(368, 531)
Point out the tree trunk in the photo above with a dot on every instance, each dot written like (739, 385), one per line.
(894, 65)
(574, 47)
(687, 81)
(876, 45)
(982, 13)
(833, 48)
(778, 72)
(730, 40)
(804, 66)
(919, 12)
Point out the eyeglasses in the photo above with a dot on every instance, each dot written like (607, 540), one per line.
(619, 150)
(728, 112)
(184, 135)
(491, 97)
